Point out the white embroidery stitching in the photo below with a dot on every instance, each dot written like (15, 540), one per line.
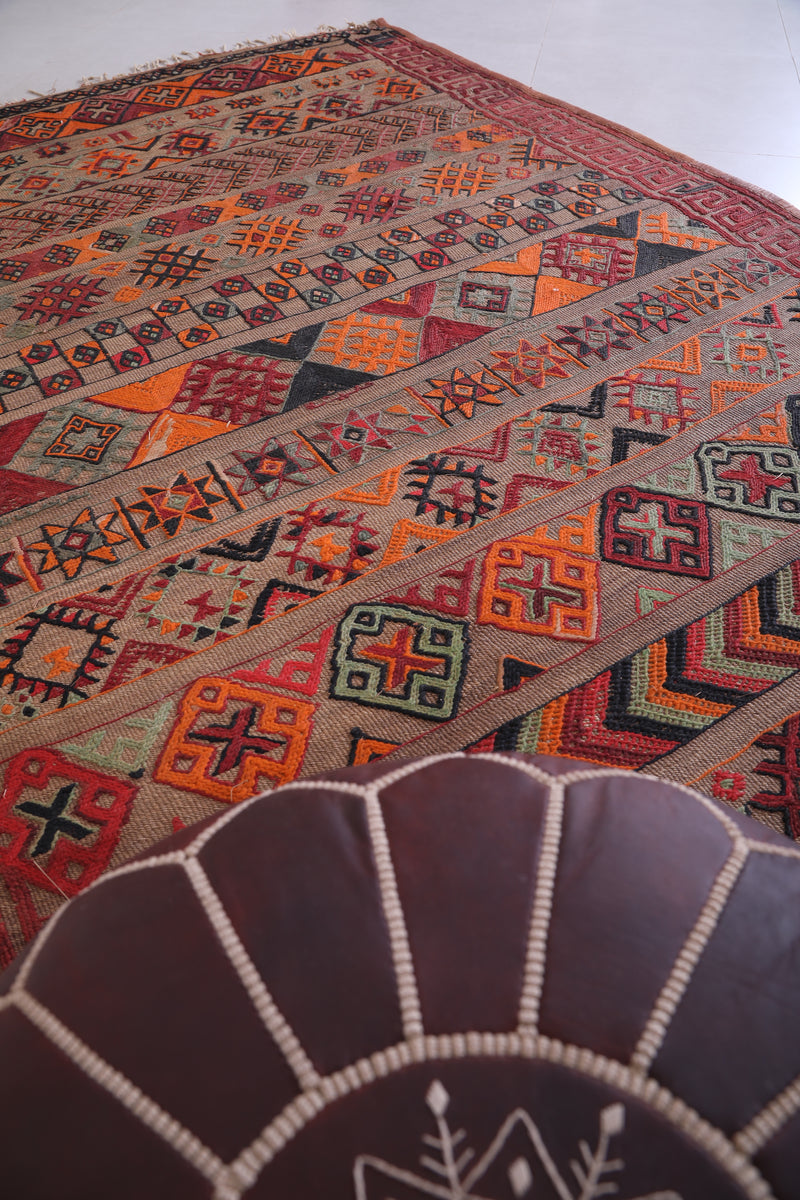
(541, 913)
(395, 920)
(690, 954)
(274, 1021)
(589, 1168)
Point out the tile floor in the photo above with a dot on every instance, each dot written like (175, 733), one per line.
(717, 79)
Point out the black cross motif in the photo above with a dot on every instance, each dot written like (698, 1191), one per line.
(55, 822)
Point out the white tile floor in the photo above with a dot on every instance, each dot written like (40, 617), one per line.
(716, 79)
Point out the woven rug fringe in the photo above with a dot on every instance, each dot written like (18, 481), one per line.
(186, 56)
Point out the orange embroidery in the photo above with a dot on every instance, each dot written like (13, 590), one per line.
(365, 343)
(533, 588)
(230, 742)
(553, 292)
(410, 536)
(727, 392)
(687, 359)
(380, 489)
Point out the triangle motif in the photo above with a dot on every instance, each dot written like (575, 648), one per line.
(408, 537)
(365, 749)
(648, 599)
(492, 446)
(380, 489)
(686, 361)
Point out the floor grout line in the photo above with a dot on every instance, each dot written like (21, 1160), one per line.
(541, 44)
(788, 40)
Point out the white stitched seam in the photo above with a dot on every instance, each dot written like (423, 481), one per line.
(393, 912)
(769, 848)
(224, 819)
(690, 954)
(432, 1048)
(411, 768)
(516, 764)
(772, 1117)
(251, 981)
(120, 1087)
(711, 806)
(541, 912)
(172, 859)
(274, 1021)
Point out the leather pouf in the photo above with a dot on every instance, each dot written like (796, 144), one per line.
(464, 977)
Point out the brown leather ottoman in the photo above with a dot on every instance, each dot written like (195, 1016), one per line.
(483, 977)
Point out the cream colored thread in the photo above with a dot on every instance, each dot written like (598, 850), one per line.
(772, 1117)
(769, 848)
(617, 773)
(447, 1046)
(121, 1088)
(673, 990)
(274, 1021)
(393, 912)
(411, 768)
(22, 975)
(236, 810)
(175, 858)
(49, 880)
(222, 820)
(541, 912)
(517, 765)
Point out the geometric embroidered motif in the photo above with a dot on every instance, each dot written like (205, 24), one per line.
(166, 508)
(234, 387)
(364, 343)
(559, 443)
(464, 389)
(365, 749)
(750, 353)
(655, 399)
(82, 438)
(665, 695)
(532, 364)
(391, 656)
(230, 742)
(55, 653)
(86, 539)
(751, 477)
(278, 465)
(540, 590)
(656, 532)
(589, 258)
(784, 770)
(741, 541)
(332, 547)
(59, 822)
(186, 598)
(124, 746)
(171, 265)
(60, 300)
(299, 668)
(8, 579)
(445, 486)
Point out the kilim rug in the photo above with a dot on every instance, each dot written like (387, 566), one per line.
(360, 402)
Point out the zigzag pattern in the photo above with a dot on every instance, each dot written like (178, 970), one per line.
(661, 697)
